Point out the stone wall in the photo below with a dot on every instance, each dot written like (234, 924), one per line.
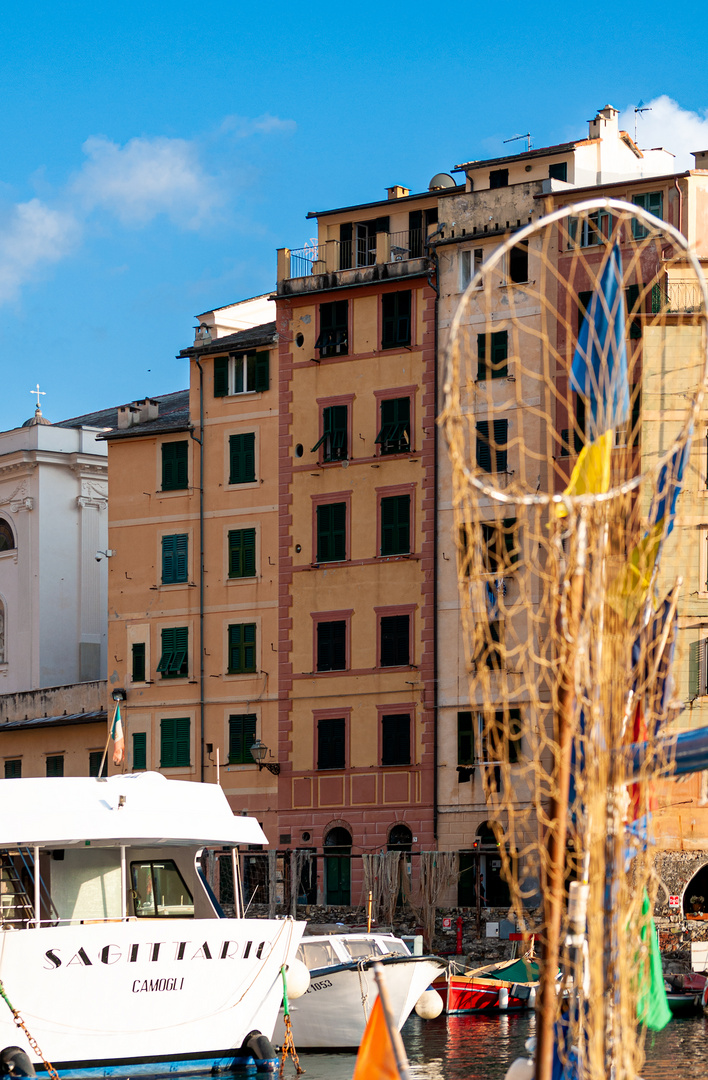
(53, 701)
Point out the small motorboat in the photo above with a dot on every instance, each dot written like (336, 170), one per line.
(684, 992)
(332, 1014)
(504, 987)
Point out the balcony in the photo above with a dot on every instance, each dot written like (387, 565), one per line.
(364, 258)
(676, 297)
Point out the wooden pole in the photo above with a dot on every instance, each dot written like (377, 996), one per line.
(399, 1051)
(368, 920)
(554, 885)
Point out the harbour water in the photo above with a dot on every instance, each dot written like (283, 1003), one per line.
(482, 1047)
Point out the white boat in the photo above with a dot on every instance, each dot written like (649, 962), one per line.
(332, 1014)
(113, 947)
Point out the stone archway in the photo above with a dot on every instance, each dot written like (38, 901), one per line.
(695, 896)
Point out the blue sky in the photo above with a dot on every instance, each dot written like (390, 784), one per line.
(156, 154)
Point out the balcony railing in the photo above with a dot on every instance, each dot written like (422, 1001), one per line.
(676, 296)
(366, 249)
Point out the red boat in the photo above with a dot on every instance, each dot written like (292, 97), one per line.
(510, 985)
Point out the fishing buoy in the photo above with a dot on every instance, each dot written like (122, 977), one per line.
(521, 1069)
(14, 1062)
(297, 978)
(429, 1005)
(503, 998)
(532, 998)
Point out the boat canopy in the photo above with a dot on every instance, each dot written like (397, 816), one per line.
(135, 808)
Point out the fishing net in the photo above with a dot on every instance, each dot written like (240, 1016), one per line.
(570, 402)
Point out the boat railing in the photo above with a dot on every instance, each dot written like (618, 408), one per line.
(30, 923)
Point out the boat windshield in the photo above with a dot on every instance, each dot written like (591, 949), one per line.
(159, 890)
(361, 947)
(394, 947)
(317, 954)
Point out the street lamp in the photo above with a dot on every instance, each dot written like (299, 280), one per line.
(258, 753)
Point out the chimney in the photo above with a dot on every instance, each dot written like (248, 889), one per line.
(605, 122)
(398, 191)
(700, 158)
(149, 409)
(127, 416)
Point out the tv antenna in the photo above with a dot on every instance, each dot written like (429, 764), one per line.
(527, 136)
(640, 108)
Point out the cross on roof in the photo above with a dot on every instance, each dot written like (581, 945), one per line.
(38, 392)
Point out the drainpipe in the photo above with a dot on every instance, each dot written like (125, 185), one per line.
(680, 203)
(433, 272)
(200, 440)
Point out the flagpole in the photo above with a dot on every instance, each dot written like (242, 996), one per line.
(394, 1034)
(108, 741)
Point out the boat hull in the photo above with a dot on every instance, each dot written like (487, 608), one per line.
(148, 997)
(333, 1012)
(463, 994)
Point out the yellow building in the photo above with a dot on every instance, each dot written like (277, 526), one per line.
(193, 608)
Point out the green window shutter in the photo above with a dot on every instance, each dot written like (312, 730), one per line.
(139, 750)
(403, 318)
(242, 553)
(334, 441)
(395, 319)
(655, 204)
(331, 743)
(242, 735)
(465, 738)
(167, 744)
(501, 432)
(174, 558)
(174, 466)
(173, 662)
(584, 299)
(138, 656)
(500, 351)
(697, 668)
(221, 376)
(95, 759)
(395, 525)
(394, 436)
(483, 448)
(55, 765)
(633, 311)
(242, 454)
(511, 545)
(332, 646)
(242, 648)
(396, 739)
(636, 414)
(182, 747)
(514, 741)
(331, 532)
(481, 357)
(13, 769)
(262, 371)
(579, 428)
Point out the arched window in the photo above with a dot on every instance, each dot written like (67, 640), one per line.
(338, 866)
(695, 897)
(400, 838)
(7, 537)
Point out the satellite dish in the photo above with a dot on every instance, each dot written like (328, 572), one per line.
(441, 180)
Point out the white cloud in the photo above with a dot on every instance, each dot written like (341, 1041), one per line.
(667, 124)
(243, 126)
(147, 177)
(32, 236)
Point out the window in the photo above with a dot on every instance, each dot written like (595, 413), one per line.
(653, 203)
(493, 648)
(174, 465)
(495, 367)
(242, 553)
(470, 264)
(138, 665)
(7, 537)
(395, 319)
(242, 648)
(174, 743)
(499, 178)
(395, 640)
(334, 441)
(492, 454)
(503, 741)
(242, 458)
(332, 645)
(174, 559)
(394, 436)
(173, 662)
(634, 309)
(584, 299)
(139, 751)
(396, 739)
(357, 242)
(334, 328)
(518, 263)
(396, 525)
(159, 891)
(697, 668)
(590, 230)
(500, 550)
(55, 765)
(578, 428)
(245, 373)
(242, 735)
(558, 171)
(465, 738)
(331, 532)
(331, 745)
(13, 769)
(95, 759)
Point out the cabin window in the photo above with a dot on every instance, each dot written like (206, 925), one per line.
(159, 891)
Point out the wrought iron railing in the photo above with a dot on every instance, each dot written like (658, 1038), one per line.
(363, 250)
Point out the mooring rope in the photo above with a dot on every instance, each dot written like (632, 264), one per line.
(30, 1039)
(288, 1047)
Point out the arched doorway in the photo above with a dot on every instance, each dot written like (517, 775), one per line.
(695, 896)
(400, 838)
(338, 866)
(494, 890)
